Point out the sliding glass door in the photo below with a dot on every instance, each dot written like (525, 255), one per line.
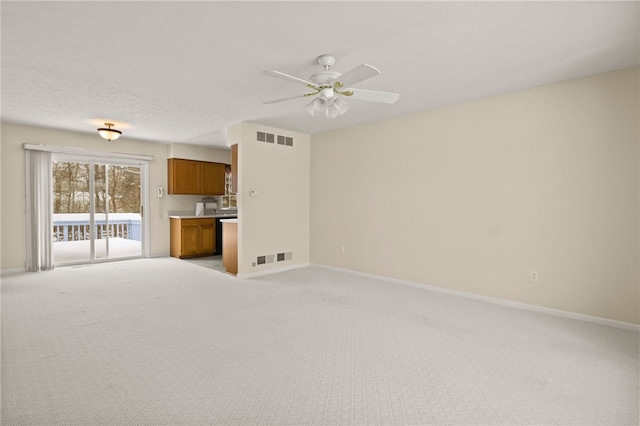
(97, 210)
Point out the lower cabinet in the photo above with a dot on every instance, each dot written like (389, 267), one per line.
(230, 247)
(192, 237)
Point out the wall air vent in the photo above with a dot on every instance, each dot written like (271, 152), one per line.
(272, 258)
(274, 139)
(265, 137)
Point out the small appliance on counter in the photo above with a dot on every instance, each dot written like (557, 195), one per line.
(199, 209)
(210, 205)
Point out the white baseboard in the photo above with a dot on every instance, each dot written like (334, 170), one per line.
(12, 271)
(495, 300)
(153, 256)
(274, 271)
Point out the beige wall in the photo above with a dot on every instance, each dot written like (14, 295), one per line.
(277, 219)
(474, 196)
(470, 197)
(202, 153)
(12, 193)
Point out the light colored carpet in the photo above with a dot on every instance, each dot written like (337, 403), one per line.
(167, 342)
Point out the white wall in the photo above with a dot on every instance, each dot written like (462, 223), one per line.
(474, 196)
(277, 220)
(12, 192)
(199, 152)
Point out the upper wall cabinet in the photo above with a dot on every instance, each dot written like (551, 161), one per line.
(213, 178)
(195, 177)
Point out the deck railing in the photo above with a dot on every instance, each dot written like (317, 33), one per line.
(76, 227)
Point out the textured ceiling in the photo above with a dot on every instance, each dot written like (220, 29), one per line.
(181, 72)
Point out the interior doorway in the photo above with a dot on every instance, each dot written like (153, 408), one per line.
(97, 209)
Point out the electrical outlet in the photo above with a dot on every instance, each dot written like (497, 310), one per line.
(534, 276)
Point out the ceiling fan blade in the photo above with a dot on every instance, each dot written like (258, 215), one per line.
(289, 78)
(358, 74)
(375, 96)
(290, 97)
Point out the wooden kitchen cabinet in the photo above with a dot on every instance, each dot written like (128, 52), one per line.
(213, 178)
(207, 236)
(192, 237)
(193, 177)
(184, 176)
(234, 168)
(230, 246)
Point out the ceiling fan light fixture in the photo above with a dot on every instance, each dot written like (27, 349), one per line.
(329, 107)
(108, 133)
(310, 107)
(331, 86)
(332, 111)
(321, 103)
(341, 104)
(336, 107)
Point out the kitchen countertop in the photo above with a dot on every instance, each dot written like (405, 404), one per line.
(206, 216)
(229, 220)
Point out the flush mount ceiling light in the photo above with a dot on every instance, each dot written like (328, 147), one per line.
(108, 133)
(331, 86)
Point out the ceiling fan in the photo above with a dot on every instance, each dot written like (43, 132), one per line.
(331, 86)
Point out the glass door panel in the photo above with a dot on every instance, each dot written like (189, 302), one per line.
(100, 215)
(71, 212)
(118, 191)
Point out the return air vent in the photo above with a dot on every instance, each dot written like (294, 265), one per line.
(274, 139)
(265, 137)
(272, 258)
